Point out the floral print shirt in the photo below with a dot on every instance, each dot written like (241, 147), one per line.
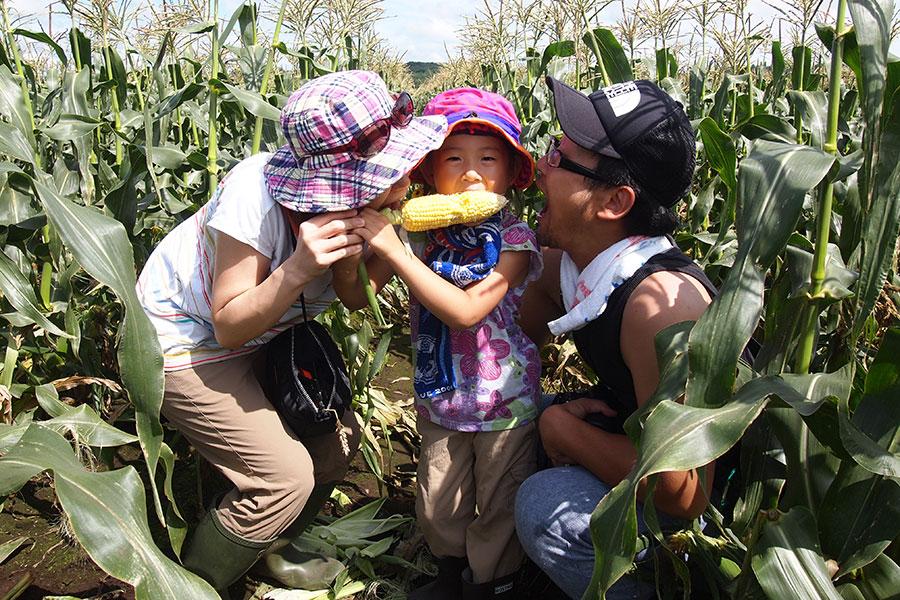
(497, 367)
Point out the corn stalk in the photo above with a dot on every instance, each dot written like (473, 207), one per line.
(826, 198)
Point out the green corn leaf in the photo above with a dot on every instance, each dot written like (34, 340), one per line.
(859, 517)
(607, 49)
(253, 102)
(81, 421)
(168, 157)
(14, 108)
(70, 127)
(10, 546)
(697, 80)
(880, 221)
(100, 245)
(118, 76)
(881, 579)
(675, 437)
(773, 182)
(787, 559)
(719, 150)
(872, 436)
(18, 291)
(42, 37)
(813, 109)
(768, 127)
(800, 75)
(173, 101)
(838, 278)
(17, 205)
(81, 49)
(108, 515)
(195, 28)
(14, 144)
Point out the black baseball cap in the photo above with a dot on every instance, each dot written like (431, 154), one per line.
(619, 121)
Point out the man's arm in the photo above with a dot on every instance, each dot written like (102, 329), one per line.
(661, 300)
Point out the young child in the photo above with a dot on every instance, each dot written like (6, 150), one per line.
(476, 374)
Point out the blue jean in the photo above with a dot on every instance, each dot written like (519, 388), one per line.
(553, 515)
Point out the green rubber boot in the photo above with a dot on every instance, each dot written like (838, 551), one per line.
(296, 568)
(218, 555)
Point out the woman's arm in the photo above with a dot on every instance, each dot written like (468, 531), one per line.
(457, 307)
(248, 300)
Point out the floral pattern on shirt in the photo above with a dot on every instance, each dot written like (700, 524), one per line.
(497, 366)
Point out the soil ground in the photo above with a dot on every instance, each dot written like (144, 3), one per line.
(51, 563)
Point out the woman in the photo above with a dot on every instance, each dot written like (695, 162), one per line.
(226, 281)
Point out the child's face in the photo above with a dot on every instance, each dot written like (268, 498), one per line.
(391, 197)
(469, 162)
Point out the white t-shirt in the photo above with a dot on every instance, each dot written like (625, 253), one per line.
(175, 287)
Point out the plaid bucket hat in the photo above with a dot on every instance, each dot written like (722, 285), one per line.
(482, 111)
(315, 171)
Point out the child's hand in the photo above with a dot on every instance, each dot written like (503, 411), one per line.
(380, 234)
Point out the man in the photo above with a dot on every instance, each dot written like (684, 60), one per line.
(613, 278)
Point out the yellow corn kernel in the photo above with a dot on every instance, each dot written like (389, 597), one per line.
(440, 210)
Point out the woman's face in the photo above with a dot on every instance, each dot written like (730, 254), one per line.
(391, 197)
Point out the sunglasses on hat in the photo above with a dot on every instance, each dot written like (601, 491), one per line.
(373, 138)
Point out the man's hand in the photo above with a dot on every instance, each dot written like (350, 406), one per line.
(556, 421)
(582, 407)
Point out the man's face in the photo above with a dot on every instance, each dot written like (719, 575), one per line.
(568, 207)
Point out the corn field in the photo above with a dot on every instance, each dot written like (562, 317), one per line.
(118, 127)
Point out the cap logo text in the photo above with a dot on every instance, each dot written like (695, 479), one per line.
(623, 97)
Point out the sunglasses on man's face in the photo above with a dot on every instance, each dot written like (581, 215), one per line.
(373, 138)
(555, 159)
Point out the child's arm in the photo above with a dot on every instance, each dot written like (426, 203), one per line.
(348, 285)
(458, 308)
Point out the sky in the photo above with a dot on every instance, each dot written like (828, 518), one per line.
(423, 28)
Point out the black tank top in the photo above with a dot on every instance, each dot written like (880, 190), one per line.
(598, 341)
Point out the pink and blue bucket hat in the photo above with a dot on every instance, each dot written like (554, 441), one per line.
(478, 110)
(315, 171)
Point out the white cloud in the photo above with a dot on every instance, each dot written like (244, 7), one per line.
(422, 28)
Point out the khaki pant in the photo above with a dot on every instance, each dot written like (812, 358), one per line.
(467, 483)
(221, 409)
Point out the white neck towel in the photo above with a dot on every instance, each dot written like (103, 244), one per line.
(586, 294)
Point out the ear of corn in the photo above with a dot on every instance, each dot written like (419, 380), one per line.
(395, 216)
(441, 210)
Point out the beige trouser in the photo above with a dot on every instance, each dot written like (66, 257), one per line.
(221, 409)
(467, 489)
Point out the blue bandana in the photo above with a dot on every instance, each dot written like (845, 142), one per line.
(461, 254)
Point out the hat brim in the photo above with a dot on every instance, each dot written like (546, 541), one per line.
(526, 168)
(579, 119)
(354, 182)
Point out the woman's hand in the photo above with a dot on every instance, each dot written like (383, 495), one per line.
(248, 299)
(322, 241)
